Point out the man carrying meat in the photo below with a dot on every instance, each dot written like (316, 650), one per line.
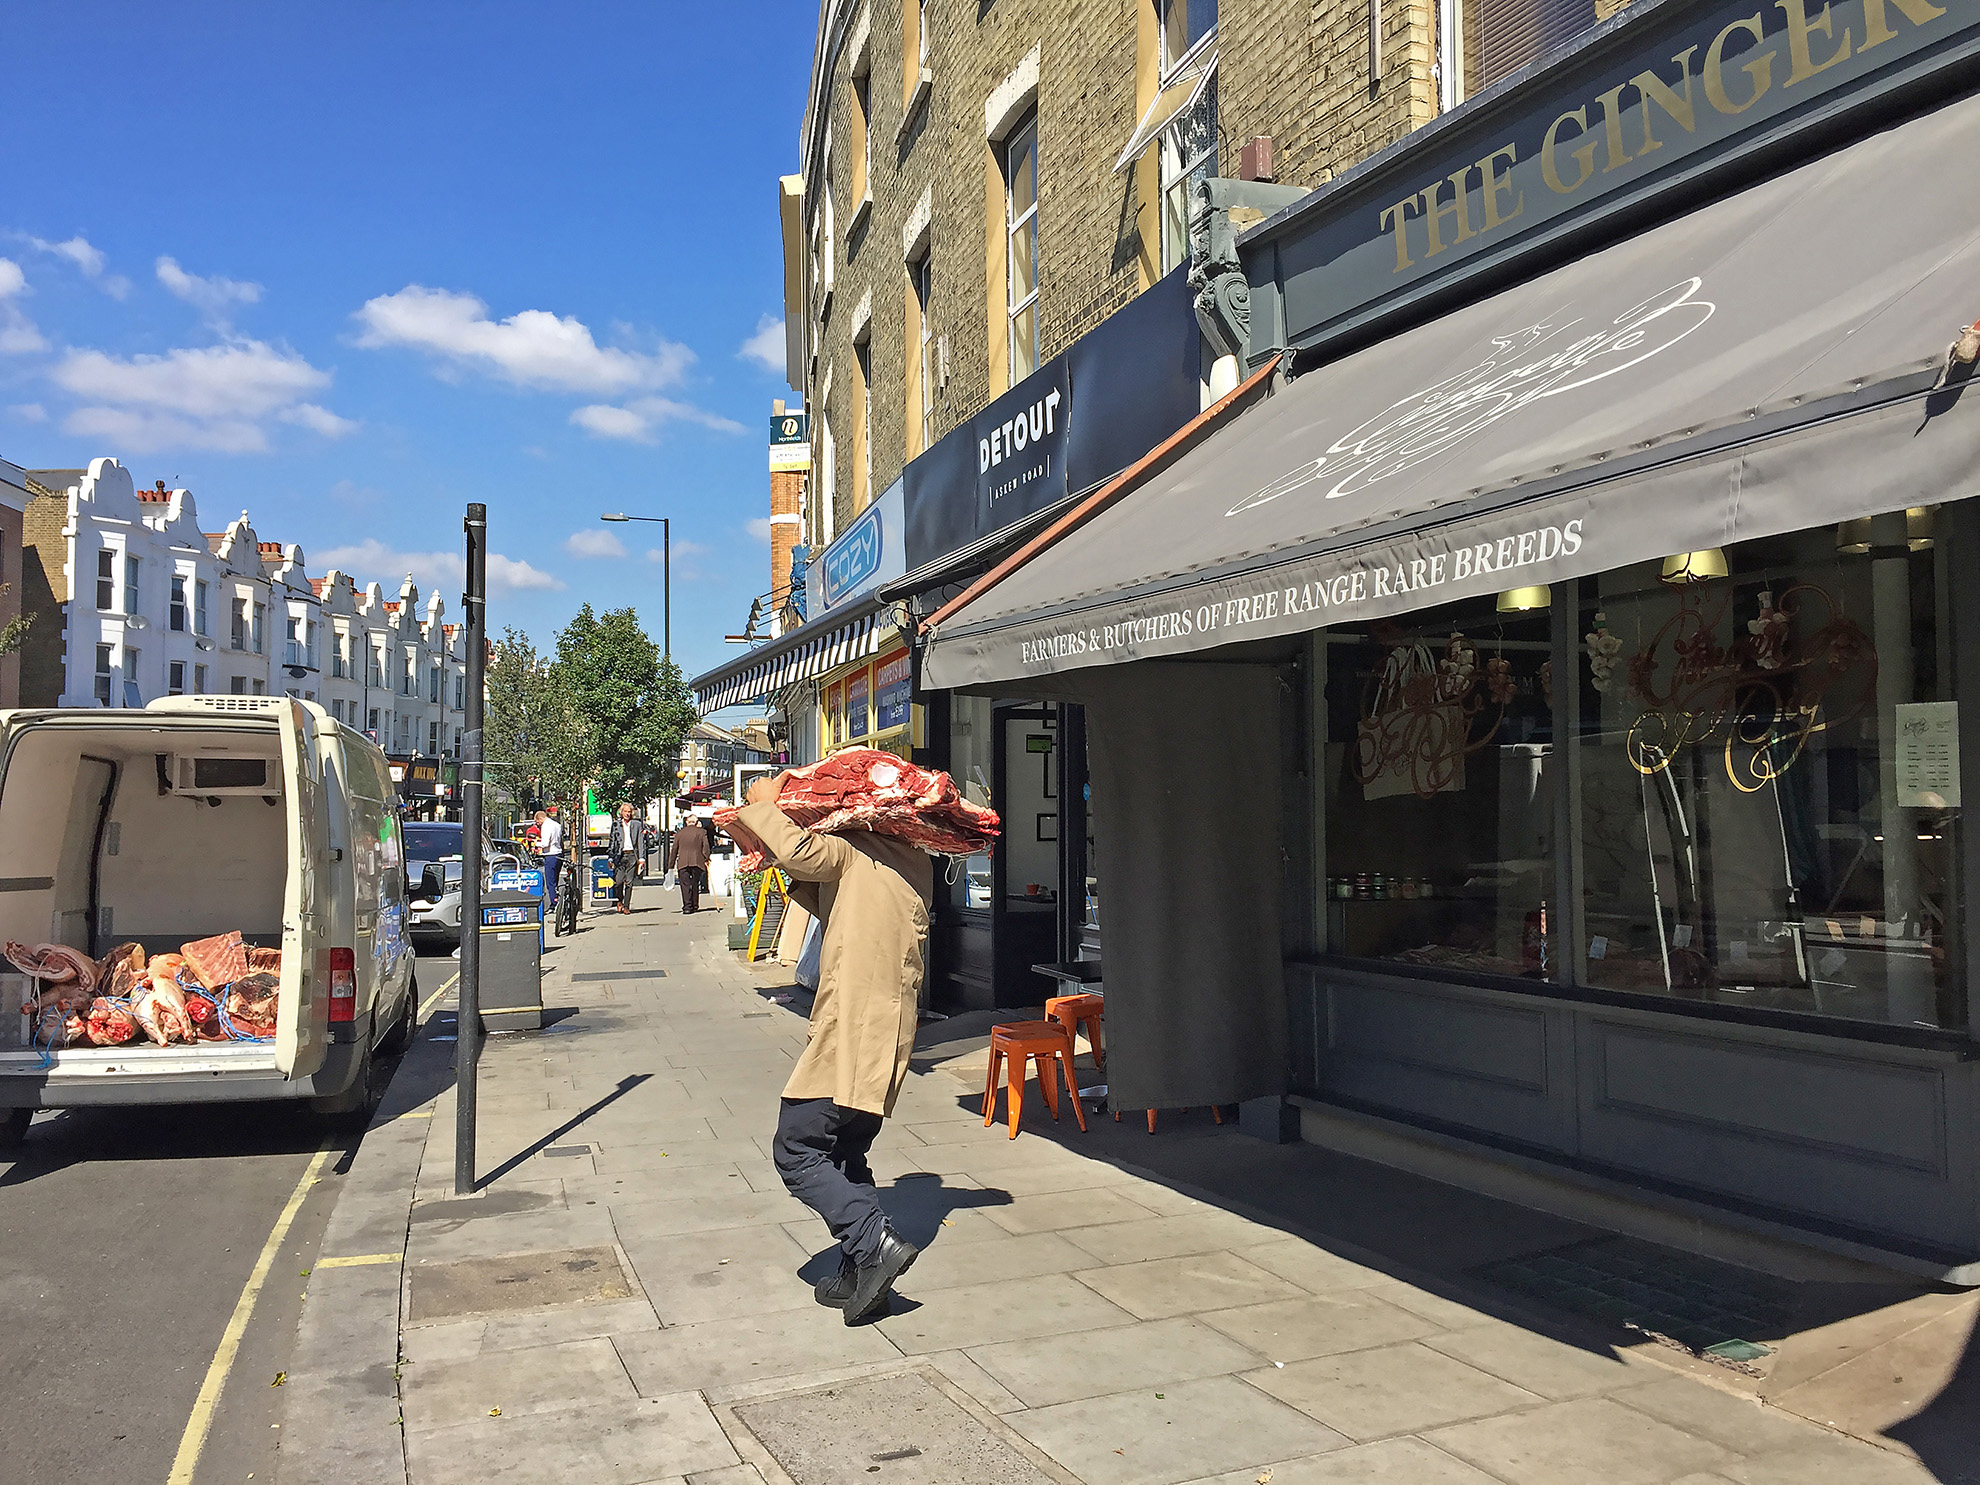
(690, 863)
(871, 894)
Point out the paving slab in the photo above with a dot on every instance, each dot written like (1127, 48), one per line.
(1159, 1436)
(535, 1379)
(979, 1314)
(1744, 1425)
(748, 1348)
(1060, 1368)
(1391, 1390)
(697, 1276)
(1591, 1439)
(1539, 1363)
(648, 1439)
(1320, 1325)
(1403, 1461)
(1189, 1285)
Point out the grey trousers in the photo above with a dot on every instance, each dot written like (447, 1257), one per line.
(821, 1154)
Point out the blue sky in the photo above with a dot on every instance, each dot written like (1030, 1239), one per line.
(350, 266)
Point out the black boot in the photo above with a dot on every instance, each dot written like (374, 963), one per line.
(875, 1280)
(836, 1289)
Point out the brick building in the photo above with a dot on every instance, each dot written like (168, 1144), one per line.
(980, 185)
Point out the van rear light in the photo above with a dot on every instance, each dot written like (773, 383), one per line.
(343, 985)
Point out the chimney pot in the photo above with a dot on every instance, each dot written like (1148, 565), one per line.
(1256, 160)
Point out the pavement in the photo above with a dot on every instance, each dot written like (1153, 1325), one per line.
(627, 1298)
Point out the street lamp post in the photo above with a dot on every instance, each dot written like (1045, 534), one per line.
(666, 575)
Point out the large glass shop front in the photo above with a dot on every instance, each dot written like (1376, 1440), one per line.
(1762, 801)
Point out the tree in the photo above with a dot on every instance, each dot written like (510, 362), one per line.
(14, 634)
(535, 741)
(636, 708)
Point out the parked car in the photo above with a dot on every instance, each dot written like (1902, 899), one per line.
(197, 816)
(433, 866)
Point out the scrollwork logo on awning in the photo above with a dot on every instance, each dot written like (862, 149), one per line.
(1523, 367)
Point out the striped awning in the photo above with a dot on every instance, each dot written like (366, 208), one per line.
(823, 645)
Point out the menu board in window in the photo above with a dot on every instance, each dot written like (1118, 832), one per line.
(856, 692)
(893, 690)
(835, 716)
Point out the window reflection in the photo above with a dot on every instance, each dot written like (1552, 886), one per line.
(1768, 800)
(1440, 762)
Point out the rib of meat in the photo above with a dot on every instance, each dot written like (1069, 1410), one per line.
(217, 961)
(865, 789)
(62, 972)
(205, 1017)
(251, 1003)
(122, 970)
(259, 958)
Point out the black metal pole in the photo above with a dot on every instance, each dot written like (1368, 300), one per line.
(467, 1047)
(667, 586)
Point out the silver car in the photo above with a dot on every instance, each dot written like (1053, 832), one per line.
(433, 876)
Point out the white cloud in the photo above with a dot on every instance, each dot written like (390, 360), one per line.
(759, 528)
(766, 346)
(534, 348)
(594, 544)
(640, 419)
(682, 549)
(18, 334)
(444, 570)
(209, 397)
(89, 260)
(318, 420)
(29, 412)
(213, 297)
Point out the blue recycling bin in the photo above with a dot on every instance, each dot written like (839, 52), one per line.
(601, 880)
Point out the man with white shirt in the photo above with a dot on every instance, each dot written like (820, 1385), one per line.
(550, 846)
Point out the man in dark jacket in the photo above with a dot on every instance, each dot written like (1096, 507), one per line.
(628, 851)
(690, 863)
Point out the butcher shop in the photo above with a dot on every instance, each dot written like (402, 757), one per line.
(1520, 724)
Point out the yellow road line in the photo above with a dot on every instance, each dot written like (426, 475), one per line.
(358, 1260)
(193, 1441)
(433, 999)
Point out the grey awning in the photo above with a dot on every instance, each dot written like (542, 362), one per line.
(826, 643)
(1760, 366)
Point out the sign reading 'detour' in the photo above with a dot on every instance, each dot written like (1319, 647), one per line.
(1021, 448)
(1642, 107)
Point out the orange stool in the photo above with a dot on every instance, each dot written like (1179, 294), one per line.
(1076, 1012)
(1215, 1112)
(1015, 1045)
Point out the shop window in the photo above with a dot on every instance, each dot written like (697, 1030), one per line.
(857, 692)
(1768, 796)
(1021, 231)
(1439, 773)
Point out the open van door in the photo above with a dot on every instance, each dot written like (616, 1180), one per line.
(302, 1020)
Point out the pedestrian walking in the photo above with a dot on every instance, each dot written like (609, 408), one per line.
(550, 848)
(871, 894)
(628, 852)
(691, 852)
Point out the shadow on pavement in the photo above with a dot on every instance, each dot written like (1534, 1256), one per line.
(626, 1085)
(916, 1204)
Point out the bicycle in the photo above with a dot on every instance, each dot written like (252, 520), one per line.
(567, 896)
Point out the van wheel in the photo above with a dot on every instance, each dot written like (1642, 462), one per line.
(14, 1127)
(407, 1026)
(350, 1111)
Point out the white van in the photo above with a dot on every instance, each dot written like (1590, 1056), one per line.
(194, 816)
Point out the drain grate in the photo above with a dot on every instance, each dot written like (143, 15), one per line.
(1709, 1308)
(894, 1430)
(519, 1281)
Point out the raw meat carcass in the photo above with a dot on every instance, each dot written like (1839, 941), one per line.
(205, 1017)
(161, 1013)
(122, 971)
(164, 968)
(865, 789)
(251, 1004)
(259, 958)
(66, 977)
(217, 961)
(105, 1025)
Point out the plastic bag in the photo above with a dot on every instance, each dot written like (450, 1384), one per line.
(807, 965)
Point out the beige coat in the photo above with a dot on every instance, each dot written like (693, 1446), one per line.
(871, 895)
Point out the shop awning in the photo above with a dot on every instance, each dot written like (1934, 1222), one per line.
(1768, 363)
(826, 643)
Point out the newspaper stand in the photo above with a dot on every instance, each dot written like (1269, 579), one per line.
(511, 961)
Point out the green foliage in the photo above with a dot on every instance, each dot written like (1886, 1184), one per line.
(636, 708)
(537, 743)
(14, 634)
